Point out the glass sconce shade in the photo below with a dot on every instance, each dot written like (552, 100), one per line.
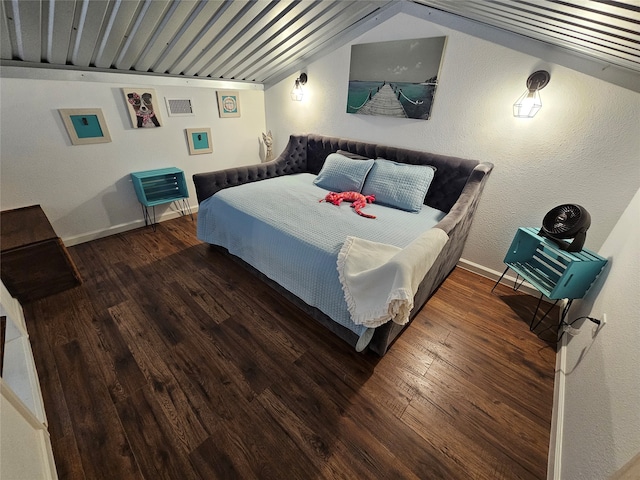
(297, 93)
(530, 102)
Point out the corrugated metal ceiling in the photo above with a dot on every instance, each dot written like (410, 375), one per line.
(263, 41)
(604, 29)
(240, 40)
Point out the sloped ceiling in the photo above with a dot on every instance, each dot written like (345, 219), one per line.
(264, 41)
(231, 40)
(607, 30)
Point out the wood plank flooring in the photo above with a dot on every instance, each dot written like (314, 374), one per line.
(171, 361)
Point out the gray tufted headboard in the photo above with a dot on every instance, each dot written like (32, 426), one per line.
(307, 153)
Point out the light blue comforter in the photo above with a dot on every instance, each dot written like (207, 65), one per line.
(279, 227)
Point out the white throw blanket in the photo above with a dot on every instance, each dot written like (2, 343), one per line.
(379, 281)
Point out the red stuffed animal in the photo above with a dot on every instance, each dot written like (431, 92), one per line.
(358, 200)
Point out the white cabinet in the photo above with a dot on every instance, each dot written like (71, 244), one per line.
(25, 447)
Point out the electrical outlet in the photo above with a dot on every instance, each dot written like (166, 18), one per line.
(597, 328)
(569, 330)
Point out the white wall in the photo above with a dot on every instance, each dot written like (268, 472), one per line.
(601, 411)
(85, 190)
(582, 147)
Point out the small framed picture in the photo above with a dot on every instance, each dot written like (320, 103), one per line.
(85, 126)
(143, 107)
(199, 140)
(228, 103)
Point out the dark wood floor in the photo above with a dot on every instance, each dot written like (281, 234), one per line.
(170, 361)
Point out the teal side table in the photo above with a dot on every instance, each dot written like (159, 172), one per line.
(555, 273)
(160, 186)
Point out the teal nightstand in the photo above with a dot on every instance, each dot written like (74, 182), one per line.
(555, 273)
(160, 186)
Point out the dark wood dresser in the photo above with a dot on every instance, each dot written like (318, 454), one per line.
(34, 263)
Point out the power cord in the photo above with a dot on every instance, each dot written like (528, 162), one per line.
(568, 327)
(594, 320)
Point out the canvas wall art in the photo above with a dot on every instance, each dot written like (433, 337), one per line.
(143, 107)
(395, 79)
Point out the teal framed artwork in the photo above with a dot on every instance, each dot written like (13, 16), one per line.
(85, 125)
(199, 140)
(228, 103)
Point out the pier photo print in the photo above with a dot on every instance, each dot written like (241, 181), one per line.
(395, 79)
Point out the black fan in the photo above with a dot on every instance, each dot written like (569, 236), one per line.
(564, 222)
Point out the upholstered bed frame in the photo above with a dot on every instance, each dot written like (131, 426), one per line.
(455, 189)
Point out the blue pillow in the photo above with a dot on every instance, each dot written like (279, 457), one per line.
(399, 185)
(342, 174)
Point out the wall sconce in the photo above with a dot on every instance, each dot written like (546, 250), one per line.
(297, 93)
(529, 103)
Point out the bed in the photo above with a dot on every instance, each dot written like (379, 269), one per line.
(363, 278)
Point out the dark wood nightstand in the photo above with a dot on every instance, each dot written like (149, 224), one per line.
(34, 263)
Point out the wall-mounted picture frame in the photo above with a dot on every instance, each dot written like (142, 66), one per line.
(199, 140)
(228, 103)
(85, 126)
(397, 78)
(143, 107)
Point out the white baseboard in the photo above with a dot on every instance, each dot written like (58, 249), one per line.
(554, 462)
(493, 275)
(123, 227)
